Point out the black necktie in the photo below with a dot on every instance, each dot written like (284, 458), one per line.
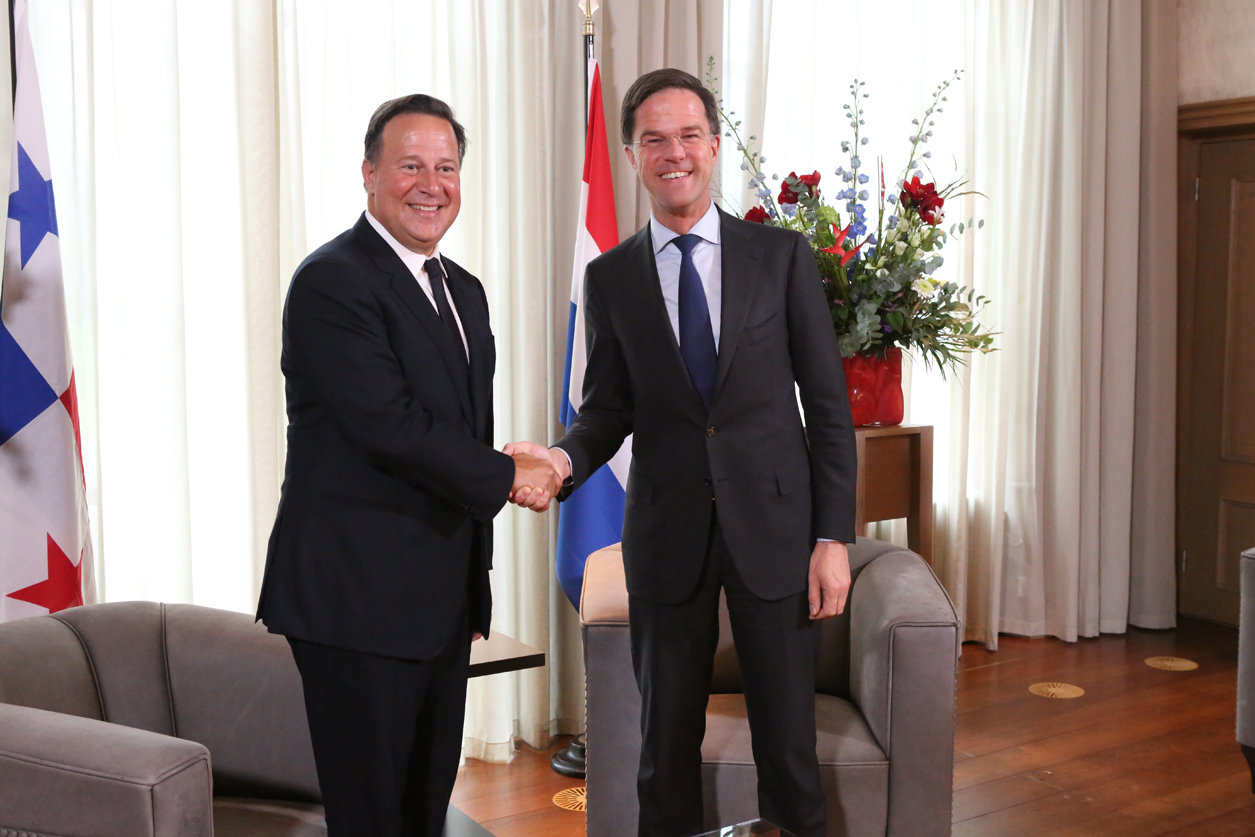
(697, 337)
(435, 272)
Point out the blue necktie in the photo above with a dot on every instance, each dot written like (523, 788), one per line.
(697, 338)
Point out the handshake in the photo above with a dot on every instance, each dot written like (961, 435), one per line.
(538, 474)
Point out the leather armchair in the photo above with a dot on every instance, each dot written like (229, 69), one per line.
(141, 718)
(884, 705)
(1246, 664)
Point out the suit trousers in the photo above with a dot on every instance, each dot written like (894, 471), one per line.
(387, 735)
(673, 649)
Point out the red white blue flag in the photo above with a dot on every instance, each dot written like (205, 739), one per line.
(593, 516)
(45, 544)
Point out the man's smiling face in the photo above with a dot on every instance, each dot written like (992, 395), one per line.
(414, 189)
(673, 153)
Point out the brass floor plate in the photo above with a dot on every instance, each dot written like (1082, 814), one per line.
(1056, 690)
(571, 799)
(1171, 663)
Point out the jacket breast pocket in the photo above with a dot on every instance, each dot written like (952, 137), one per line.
(762, 330)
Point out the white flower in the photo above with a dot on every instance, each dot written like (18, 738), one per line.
(900, 247)
(926, 286)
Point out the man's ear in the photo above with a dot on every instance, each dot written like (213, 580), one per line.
(368, 177)
(627, 149)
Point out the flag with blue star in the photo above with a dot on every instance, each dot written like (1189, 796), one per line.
(32, 205)
(45, 545)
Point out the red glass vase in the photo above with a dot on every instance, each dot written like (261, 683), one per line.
(874, 385)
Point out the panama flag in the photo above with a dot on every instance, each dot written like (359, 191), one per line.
(45, 546)
(593, 516)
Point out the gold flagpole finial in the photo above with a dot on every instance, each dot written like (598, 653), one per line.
(588, 7)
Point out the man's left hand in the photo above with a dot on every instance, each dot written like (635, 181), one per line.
(829, 579)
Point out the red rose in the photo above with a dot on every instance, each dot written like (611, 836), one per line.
(924, 197)
(787, 195)
(758, 215)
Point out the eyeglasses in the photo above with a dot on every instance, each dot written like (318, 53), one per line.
(690, 140)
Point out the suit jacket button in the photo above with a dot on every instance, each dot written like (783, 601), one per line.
(710, 431)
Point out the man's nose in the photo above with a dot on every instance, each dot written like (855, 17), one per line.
(427, 181)
(675, 149)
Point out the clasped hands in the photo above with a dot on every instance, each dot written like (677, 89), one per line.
(538, 474)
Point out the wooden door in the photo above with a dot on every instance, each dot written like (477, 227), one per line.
(1216, 517)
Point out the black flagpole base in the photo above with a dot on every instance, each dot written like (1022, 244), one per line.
(572, 761)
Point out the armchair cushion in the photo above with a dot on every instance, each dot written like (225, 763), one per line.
(62, 774)
(43, 665)
(236, 690)
(852, 767)
(236, 817)
(126, 644)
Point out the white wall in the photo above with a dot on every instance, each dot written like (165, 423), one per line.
(1217, 50)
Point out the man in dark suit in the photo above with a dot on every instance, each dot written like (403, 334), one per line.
(698, 327)
(377, 571)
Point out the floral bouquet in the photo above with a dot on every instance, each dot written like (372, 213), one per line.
(879, 284)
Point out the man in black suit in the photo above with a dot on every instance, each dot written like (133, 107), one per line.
(698, 327)
(377, 571)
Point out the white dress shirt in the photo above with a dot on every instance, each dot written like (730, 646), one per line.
(707, 258)
(415, 261)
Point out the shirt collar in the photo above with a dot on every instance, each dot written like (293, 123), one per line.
(414, 261)
(707, 227)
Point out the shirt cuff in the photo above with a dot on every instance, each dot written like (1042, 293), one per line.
(569, 470)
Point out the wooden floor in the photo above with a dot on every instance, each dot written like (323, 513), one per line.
(1143, 752)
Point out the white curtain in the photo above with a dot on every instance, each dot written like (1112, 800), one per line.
(1042, 527)
(162, 135)
(638, 37)
(200, 152)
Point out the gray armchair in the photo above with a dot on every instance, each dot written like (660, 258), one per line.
(884, 705)
(1246, 664)
(140, 718)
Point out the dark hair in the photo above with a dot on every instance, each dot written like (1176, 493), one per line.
(413, 103)
(655, 82)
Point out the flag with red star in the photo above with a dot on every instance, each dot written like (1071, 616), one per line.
(45, 545)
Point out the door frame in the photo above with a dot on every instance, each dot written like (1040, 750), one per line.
(1196, 124)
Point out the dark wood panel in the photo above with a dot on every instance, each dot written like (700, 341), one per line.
(1220, 115)
(890, 476)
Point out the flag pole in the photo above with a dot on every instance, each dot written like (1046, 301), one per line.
(572, 761)
(13, 54)
(587, 7)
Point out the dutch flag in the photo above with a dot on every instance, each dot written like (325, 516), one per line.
(593, 516)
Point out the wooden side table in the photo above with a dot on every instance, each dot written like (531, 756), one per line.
(895, 479)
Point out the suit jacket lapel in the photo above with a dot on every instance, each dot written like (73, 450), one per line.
(654, 308)
(739, 262)
(478, 339)
(405, 286)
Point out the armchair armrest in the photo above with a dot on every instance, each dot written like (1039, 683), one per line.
(61, 774)
(904, 640)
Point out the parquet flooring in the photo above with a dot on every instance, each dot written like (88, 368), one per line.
(1143, 752)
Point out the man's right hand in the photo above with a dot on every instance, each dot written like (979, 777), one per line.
(536, 481)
